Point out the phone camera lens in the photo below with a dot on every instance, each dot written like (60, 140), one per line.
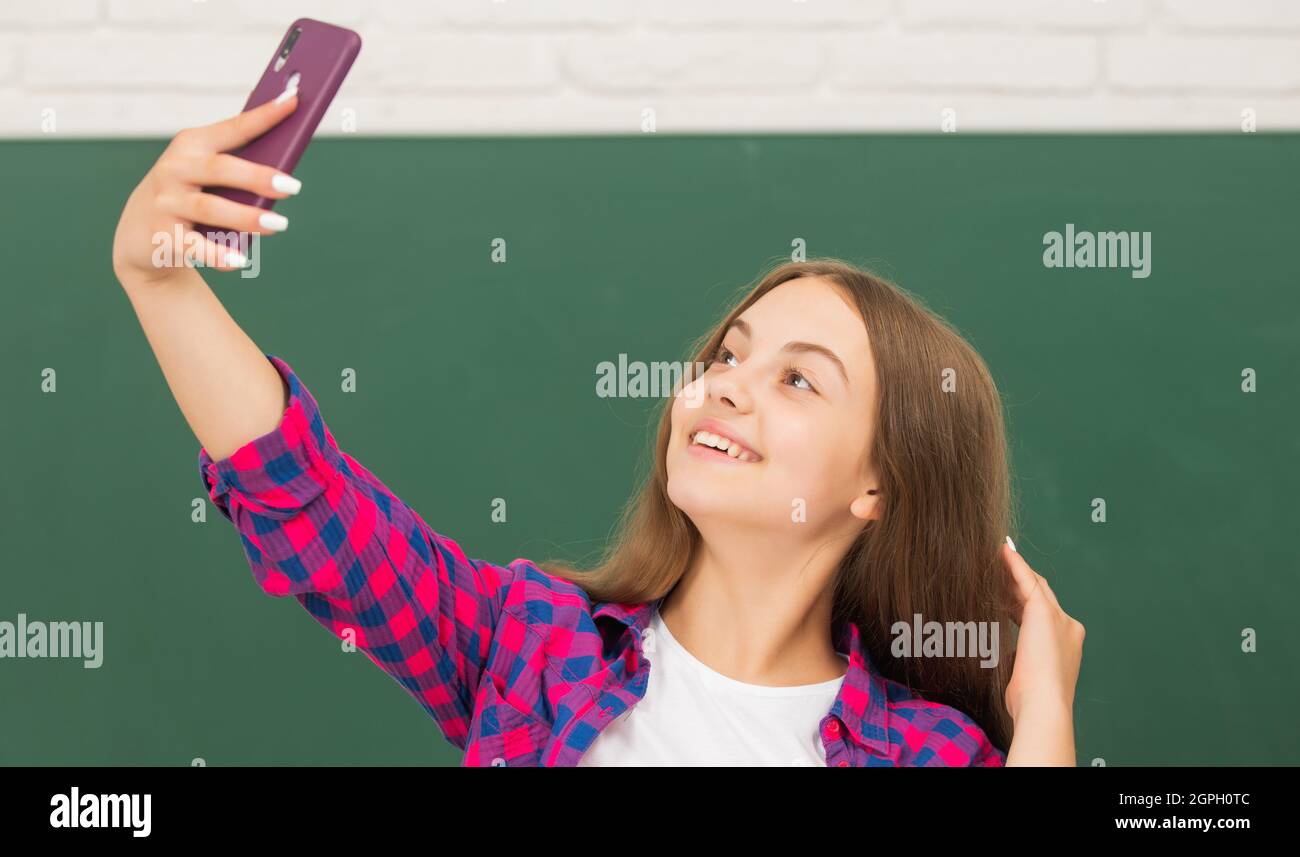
(288, 43)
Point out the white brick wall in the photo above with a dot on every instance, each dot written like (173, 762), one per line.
(150, 67)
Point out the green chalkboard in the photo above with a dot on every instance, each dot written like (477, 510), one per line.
(477, 380)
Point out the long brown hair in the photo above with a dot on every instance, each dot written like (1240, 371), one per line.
(940, 453)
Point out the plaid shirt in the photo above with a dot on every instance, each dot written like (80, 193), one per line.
(516, 666)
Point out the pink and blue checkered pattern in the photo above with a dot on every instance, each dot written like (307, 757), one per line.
(514, 665)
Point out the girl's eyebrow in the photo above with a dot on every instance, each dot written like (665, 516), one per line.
(799, 347)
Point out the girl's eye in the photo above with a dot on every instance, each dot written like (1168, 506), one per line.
(725, 356)
(790, 371)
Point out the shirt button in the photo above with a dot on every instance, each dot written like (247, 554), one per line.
(833, 728)
(498, 762)
(843, 763)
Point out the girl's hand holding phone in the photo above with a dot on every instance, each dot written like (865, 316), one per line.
(171, 193)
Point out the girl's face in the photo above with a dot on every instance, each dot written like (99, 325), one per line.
(792, 393)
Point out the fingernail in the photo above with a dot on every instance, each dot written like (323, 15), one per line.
(1013, 544)
(288, 93)
(285, 184)
(235, 259)
(271, 220)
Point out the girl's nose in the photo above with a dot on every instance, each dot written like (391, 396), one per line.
(732, 392)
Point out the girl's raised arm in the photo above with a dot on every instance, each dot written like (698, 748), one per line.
(313, 522)
(223, 384)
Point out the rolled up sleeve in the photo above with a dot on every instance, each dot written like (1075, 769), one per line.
(281, 472)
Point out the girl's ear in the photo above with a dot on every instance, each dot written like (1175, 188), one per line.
(866, 505)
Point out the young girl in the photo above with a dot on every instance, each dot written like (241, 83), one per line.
(827, 493)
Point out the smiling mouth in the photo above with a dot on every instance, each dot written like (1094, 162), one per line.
(711, 443)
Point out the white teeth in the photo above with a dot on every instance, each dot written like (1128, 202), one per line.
(710, 439)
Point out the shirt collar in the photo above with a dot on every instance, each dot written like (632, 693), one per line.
(861, 703)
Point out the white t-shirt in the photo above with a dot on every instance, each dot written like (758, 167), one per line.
(693, 715)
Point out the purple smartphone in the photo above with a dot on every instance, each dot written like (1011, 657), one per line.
(320, 55)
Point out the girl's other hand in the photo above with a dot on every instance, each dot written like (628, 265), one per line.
(171, 193)
(1049, 648)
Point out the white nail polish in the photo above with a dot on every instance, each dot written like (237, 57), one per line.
(271, 220)
(290, 92)
(1013, 544)
(235, 259)
(285, 184)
